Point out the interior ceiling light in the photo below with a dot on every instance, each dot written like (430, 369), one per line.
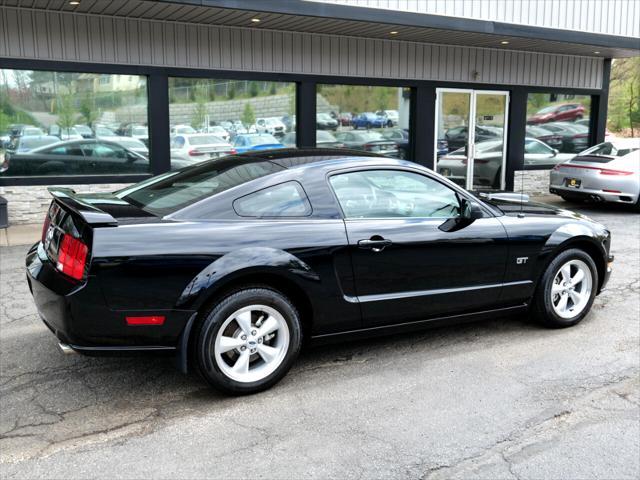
(596, 52)
(255, 20)
(504, 42)
(393, 32)
(74, 2)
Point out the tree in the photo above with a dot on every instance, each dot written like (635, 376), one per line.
(88, 110)
(253, 89)
(200, 110)
(66, 111)
(624, 95)
(248, 115)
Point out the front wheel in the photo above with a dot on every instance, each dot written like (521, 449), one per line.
(566, 290)
(248, 341)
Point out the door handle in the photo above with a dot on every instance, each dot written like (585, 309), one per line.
(375, 243)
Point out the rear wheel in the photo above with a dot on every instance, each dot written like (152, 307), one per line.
(566, 290)
(248, 341)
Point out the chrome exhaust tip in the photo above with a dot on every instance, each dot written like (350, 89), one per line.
(66, 349)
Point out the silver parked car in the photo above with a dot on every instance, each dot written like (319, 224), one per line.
(607, 172)
(197, 147)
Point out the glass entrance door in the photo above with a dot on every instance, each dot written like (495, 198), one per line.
(471, 137)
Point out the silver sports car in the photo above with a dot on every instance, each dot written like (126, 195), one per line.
(607, 172)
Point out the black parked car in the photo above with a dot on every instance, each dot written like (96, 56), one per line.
(457, 137)
(76, 157)
(232, 262)
(575, 137)
(369, 141)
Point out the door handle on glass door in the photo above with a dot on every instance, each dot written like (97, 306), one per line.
(375, 243)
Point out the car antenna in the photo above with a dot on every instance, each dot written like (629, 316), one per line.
(521, 214)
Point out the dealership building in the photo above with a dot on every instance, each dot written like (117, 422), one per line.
(480, 90)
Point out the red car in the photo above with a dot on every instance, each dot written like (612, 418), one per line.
(567, 112)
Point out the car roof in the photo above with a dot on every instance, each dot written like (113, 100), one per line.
(298, 157)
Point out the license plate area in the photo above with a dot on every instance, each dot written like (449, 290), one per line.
(572, 182)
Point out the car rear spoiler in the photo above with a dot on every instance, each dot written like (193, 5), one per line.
(92, 215)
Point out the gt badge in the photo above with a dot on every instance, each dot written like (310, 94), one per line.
(521, 260)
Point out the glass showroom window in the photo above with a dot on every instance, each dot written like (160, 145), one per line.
(64, 123)
(212, 118)
(557, 128)
(368, 118)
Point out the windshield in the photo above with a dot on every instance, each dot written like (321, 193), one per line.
(609, 149)
(324, 136)
(140, 131)
(323, 116)
(185, 129)
(28, 143)
(104, 132)
(130, 143)
(204, 140)
(369, 136)
(261, 139)
(172, 192)
(550, 109)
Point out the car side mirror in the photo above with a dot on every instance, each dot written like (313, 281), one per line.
(469, 211)
(555, 151)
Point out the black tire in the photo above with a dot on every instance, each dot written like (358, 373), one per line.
(207, 331)
(542, 309)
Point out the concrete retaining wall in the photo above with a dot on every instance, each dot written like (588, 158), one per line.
(29, 204)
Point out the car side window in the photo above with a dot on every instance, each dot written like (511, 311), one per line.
(534, 147)
(178, 142)
(284, 200)
(393, 194)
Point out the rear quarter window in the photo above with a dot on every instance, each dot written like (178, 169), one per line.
(284, 200)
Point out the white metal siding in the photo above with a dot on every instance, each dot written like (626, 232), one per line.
(26, 33)
(612, 17)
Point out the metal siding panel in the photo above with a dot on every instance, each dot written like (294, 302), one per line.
(246, 50)
(109, 48)
(133, 41)
(361, 57)
(146, 43)
(255, 51)
(41, 38)
(316, 53)
(344, 56)
(306, 53)
(68, 33)
(4, 39)
(236, 49)
(170, 44)
(325, 54)
(214, 47)
(27, 35)
(203, 46)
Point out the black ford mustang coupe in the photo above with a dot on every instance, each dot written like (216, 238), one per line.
(232, 262)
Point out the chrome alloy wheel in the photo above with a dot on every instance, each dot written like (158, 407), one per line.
(252, 343)
(571, 289)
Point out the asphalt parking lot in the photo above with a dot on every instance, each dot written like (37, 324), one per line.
(498, 399)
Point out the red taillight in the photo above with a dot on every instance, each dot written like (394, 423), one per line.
(581, 135)
(606, 171)
(233, 151)
(195, 153)
(45, 226)
(601, 171)
(148, 320)
(72, 257)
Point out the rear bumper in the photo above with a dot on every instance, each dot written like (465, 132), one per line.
(76, 313)
(594, 195)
